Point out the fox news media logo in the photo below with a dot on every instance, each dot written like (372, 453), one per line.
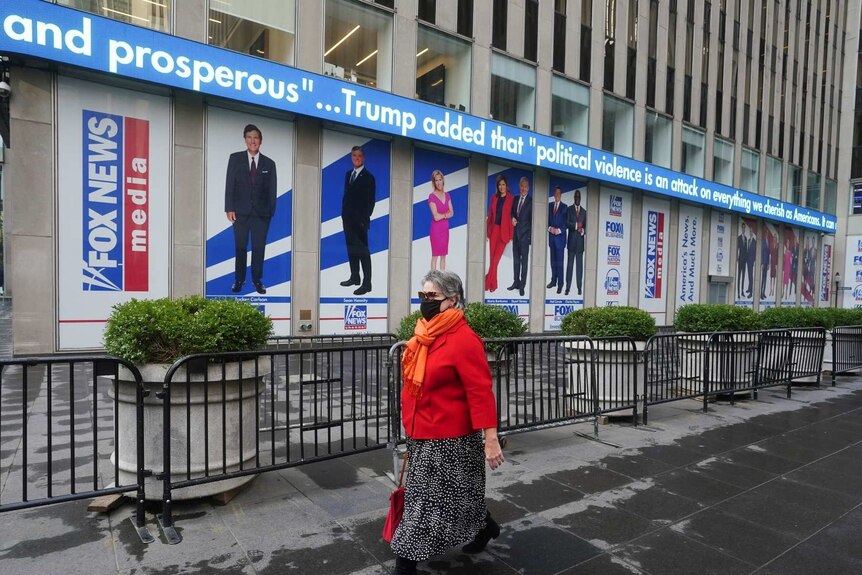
(612, 282)
(720, 241)
(859, 245)
(857, 293)
(355, 317)
(613, 255)
(616, 206)
(614, 230)
(115, 185)
(654, 255)
(858, 276)
(719, 228)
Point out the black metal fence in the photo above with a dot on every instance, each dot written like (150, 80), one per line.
(846, 350)
(71, 428)
(234, 415)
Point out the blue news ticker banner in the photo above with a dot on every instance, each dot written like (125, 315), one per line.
(53, 32)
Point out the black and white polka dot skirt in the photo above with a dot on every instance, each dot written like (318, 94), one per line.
(444, 500)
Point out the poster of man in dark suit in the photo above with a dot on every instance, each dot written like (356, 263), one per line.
(249, 203)
(357, 205)
(576, 223)
(751, 255)
(741, 260)
(522, 220)
(557, 238)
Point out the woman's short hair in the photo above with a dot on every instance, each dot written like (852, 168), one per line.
(449, 283)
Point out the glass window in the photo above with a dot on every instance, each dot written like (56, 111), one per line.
(570, 110)
(812, 198)
(442, 69)
(617, 126)
(498, 27)
(560, 37)
(465, 18)
(830, 200)
(692, 152)
(794, 176)
(722, 162)
(531, 30)
(749, 173)
(358, 43)
(513, 91)
(428, 10)
(774, 173)
(265, 28)
(153, 14)
(659, 139)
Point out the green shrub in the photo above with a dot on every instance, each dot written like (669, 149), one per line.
(836, 317)
(164, 330)
(488, 321)
(706, 317)
(612, 321)
(790, 317)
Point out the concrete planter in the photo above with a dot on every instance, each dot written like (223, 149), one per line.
(827, 354)
(190, 403)
(733, 368)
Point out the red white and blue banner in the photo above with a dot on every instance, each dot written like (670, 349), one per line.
(809, 260)
(224, 137)
(826, 259)
(654, 219)
(567, 295)
(790, 267)
(719, 244)
(769, 264)
(113, 205)
(689, 248)
(614, 241)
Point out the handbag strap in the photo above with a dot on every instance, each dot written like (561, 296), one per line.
(403, 466)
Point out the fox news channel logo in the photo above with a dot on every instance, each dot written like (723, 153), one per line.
(115, 185)
(859, 276)
(857, 293)
(612, 282)
(616, 206)
(355, 317)
(859, 245)
(613, 255)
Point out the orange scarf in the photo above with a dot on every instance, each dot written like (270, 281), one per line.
(416, 352)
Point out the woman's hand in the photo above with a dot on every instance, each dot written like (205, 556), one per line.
(493, 451)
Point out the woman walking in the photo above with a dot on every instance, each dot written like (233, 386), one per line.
(446, 407)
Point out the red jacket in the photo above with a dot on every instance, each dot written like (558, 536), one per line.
(507, 230)
(457, 398)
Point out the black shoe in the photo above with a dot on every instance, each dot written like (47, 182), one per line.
(236, 287)
(521, 291)
(513, 287)
(404, 566)
(579, 291)
(490, 531)
(363, 289)
(551, 284)
(567, 291)
(559, 289)
(350, 282)
(259, 288)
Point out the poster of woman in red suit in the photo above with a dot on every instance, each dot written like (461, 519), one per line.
(499, 229)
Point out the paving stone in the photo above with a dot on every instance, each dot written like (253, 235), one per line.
(671, 553)
(535, 546)
(605, 526)
(590, 479)
(606, 564)
(658, 504)
(696, 486)
(540, 494)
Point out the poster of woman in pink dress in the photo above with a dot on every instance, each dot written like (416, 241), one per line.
(440, 205)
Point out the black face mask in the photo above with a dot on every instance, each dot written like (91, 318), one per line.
(430, 308)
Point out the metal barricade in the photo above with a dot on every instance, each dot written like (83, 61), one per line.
(808, 349)
(673, 368)
(846, 350)
(543, 382)
(279, 343)
(71, 428)
(227, 426)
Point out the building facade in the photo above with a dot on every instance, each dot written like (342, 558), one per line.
(701, 152)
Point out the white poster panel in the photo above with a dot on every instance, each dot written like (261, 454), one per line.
(719, 244)
(790, 270)
(567, 237)
(769, 244)
(228, 173)
(613, 262)
(508, 231)
(746, 256)
(655, 217)
(439, 217)
(354, 234)
(113, 204)
(809, 257)
(851, 286)
(688, 258)
(825, 285)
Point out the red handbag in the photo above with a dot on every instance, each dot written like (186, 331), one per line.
(396, 506)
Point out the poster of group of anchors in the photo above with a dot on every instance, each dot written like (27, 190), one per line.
(354, 251)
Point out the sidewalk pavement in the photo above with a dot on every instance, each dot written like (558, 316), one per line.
(768, 486)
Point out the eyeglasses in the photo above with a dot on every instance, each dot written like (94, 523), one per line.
(430, 296)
